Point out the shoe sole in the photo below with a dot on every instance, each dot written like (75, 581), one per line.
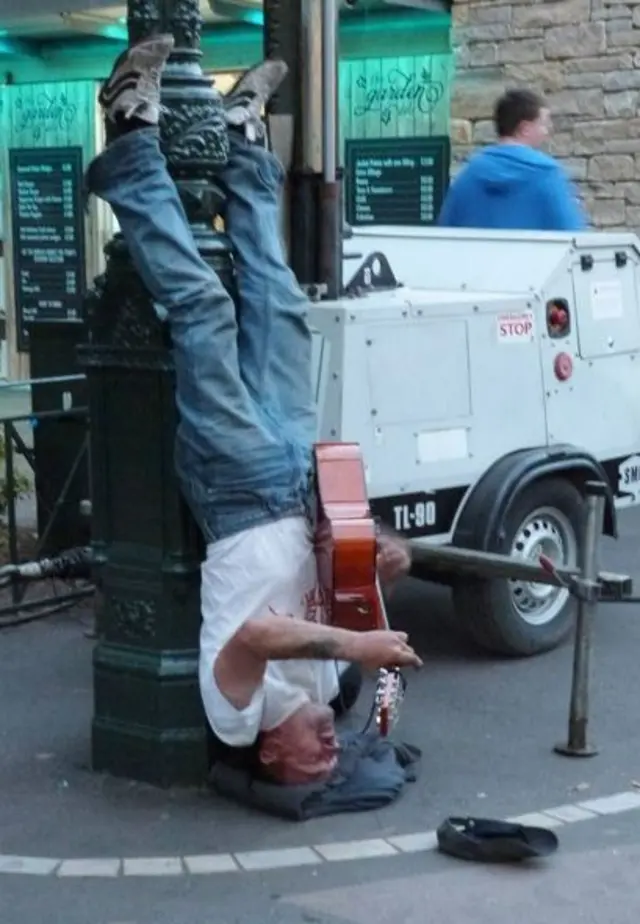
(129, 79)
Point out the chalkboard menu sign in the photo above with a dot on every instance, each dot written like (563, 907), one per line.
(47, 220)
(396, 181)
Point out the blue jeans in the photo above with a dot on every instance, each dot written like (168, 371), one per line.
(243, 378)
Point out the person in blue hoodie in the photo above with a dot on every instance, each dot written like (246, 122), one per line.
(511, 184)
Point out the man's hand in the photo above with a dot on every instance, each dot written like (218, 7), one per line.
(394, 558)
(383, 649)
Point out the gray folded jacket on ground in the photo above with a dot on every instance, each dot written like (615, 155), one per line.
(371, 773)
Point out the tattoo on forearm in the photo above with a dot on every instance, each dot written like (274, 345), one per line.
(325, 650)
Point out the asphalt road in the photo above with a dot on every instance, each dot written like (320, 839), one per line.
(486, 729)
(591, 880)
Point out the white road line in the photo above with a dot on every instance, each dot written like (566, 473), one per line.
(414, 843)
(207, 864)
(28, 866)
(103, 868)
(355, 850)
(569, 813)
(277, 859)
(153, 866)
(612, 805)
(264, 860)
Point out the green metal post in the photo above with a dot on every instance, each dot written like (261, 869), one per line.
(148, 723)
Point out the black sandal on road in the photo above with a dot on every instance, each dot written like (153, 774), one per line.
(488, 841)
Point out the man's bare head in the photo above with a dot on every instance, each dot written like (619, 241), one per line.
(303, 749)
(522, 117)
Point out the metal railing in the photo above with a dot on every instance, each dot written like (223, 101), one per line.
(13, 576)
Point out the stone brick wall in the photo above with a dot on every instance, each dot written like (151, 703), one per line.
(584, 56)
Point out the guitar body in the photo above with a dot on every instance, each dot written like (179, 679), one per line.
(346, 539)
(346, 552)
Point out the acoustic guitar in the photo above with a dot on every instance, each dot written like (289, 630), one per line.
(346, 552)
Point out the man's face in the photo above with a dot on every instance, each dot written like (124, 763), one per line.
(536, 133)
(304, 749)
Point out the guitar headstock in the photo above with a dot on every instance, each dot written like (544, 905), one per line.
(388, 698)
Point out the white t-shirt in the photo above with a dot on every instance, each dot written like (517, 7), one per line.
(266, 569)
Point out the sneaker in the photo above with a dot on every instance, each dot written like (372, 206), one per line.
(245, 101)
(133, 88)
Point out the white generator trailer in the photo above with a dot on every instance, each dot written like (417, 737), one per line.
(487, 378)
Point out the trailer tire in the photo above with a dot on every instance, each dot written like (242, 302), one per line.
(514, 618)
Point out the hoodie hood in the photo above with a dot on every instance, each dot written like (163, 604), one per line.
(500, 167)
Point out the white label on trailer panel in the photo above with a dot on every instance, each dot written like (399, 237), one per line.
(607, 300)
(629, 477)
(442, 445)
(516, 327)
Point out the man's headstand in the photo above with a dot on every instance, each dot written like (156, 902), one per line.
(247, 426)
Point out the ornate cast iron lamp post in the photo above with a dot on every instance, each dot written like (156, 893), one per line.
(148, 723)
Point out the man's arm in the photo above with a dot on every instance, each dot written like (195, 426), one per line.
(240, 666)
(282, 638)
(393, 559)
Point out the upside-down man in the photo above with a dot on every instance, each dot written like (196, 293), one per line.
(268, 664)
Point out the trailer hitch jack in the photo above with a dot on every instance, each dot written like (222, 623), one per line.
(585, 587)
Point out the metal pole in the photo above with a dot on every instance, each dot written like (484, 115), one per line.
(313, 72)
(329, 89)
(9, 480)
(330, 205)
(148, 722)
(578, 744)
(62, 497)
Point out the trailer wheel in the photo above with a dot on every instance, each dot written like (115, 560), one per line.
(517, 618)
